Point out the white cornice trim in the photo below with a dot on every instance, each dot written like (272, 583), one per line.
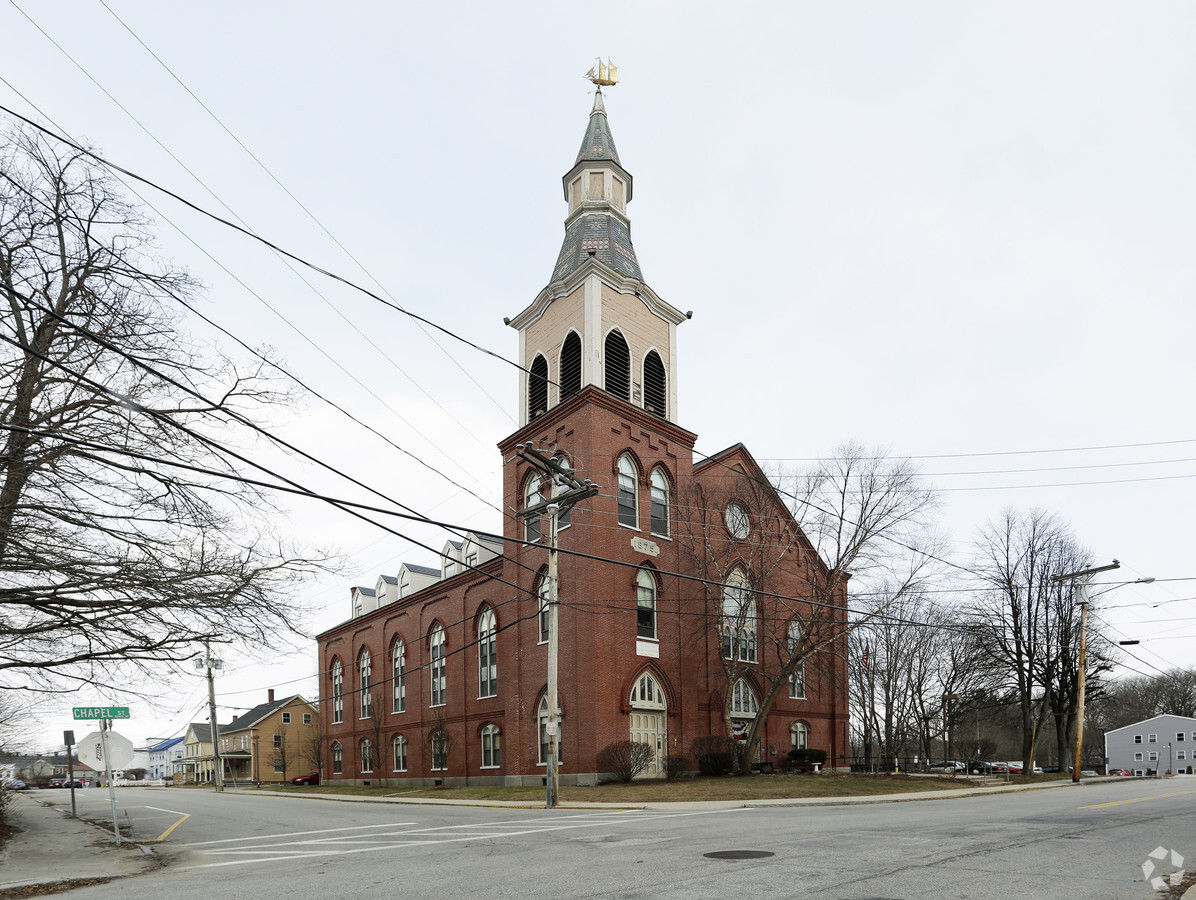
(607, 275)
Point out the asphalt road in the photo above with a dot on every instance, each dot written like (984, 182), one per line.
(1084, 842)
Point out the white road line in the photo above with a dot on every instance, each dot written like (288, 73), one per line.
(259, 837)
(447, 834)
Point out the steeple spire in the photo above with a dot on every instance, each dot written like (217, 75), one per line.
(597, 190)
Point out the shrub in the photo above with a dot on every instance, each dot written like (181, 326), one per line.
(806, 757)
(717, 755)
(674, 765)
(625, 759)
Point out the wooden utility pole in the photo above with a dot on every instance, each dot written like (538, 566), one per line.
(565, 489)
(1083, 575)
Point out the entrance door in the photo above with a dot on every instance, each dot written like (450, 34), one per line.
(649, 724)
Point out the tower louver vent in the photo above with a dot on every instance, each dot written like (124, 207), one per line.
(654, 384)
(571, 366)
(618, 366)
(537, 388)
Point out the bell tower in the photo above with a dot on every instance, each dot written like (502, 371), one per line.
(597, 322)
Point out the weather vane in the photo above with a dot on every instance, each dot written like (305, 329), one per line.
(604, 74)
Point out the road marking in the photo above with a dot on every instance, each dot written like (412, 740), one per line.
(165, 834)
(339, 844)
(1136, 800)
(261, 837)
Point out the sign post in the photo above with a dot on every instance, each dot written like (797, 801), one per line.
(105, 747)
(68, 738)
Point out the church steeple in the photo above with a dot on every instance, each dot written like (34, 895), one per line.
(597, 190)
(597, 322)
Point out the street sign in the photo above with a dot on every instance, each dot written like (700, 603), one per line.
(120, 751)
(93, 713)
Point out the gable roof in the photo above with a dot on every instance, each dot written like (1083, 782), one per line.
(259, 712)
(167, 744)
(1190, 719)
(421, 570)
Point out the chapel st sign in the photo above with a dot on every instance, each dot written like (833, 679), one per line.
(92, 713)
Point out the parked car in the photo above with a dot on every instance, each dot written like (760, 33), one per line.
(67, 783)
(947, 765)
(313, 778)
(15, 784)
(989, 768)
(55, 783)
(1122, 772)
(1050, 770)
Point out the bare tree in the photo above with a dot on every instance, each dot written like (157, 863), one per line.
(1025, 620)
(312, 746)
(122, 538)
(776, 582)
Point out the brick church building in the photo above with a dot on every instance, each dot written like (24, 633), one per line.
(681, 582)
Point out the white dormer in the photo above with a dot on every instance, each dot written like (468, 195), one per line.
(413, 579)
(450, 559)
(362, 600)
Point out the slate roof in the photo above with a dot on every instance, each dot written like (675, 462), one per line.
(597, 234)
(598, 142)
(365, 591)
(390, 579)
(605, 238)
(422, 570)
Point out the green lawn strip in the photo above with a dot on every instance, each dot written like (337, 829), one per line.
(757, 787)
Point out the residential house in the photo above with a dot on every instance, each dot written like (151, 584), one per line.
(1158, 745)
(166, 758)
(272, 742)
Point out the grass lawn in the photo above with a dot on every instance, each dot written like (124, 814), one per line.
(755, 787)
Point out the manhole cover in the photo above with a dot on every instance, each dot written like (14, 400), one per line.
(738, 854)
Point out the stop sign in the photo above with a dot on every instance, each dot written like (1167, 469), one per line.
(91, 751)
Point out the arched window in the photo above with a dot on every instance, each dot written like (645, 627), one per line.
(367, 756)
(739, 619)
(544, 591)
(743, 700)
(337, 758)
(628, 492)
(487, 655)
(532, 496)
(645, 605)
(537, 388)
(797, 679)
(563, 516)
(654, 384)
(542, 719)
(491, 755)
(398, 676)
(364, 685)
(799, 736)
(618, 366)
(399, 750)
(646, 693)
(338, 691)
(660, 503)
(438, 742)
(437, 665)
(570, 365)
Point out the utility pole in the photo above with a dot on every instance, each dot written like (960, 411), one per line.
(1083, 575)
(565, 489)
(209, 662)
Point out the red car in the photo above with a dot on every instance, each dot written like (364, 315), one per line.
(1123, 772)
(313, 778)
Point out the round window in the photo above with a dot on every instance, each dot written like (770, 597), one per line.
(737, 521)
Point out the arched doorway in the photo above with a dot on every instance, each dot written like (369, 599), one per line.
(649, 724)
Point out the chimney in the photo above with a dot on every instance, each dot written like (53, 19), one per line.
(270, 695)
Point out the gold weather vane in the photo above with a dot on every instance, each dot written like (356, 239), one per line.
(604, 74)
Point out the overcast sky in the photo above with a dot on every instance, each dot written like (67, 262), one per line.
(961, 234)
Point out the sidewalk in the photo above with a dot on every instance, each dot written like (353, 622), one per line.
(52, 847)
